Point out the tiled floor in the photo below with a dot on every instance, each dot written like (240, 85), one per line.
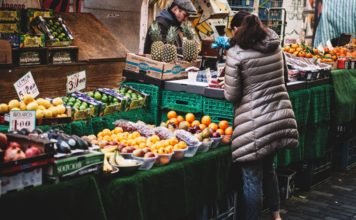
(335, 198)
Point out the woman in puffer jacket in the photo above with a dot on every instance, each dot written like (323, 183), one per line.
(264, 120)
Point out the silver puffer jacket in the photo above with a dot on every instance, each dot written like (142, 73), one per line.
(264, 119)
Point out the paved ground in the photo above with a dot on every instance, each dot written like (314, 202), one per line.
(332, 199)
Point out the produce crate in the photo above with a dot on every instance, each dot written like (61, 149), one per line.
(301, 105)
(348, 154)
(75, 165)
(317, 141)
(152, 90)
(20, 181)
(310, 173)
(7, 14)
(218, 107)
(320, 103)
(217, 117)
(181, 101)
(147, 115)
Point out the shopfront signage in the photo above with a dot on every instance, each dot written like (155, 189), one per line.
(26, 86)
(76, 82)
(22, 119)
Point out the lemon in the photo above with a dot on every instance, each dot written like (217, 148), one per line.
(39, 114)
(28, 99)
(4, 108)
(14, 104)
(57, 101)
(32, 106)
(23, 106)
(47, 113)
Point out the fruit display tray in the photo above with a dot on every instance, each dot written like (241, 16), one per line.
(44, 159)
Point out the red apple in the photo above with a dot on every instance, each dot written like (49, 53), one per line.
(13, 153)
(138, 153)
(13, 144)
(149, 154)
(32, 151)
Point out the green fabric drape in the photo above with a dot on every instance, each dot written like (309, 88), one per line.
(70, 200)
(345, 95)
(169, 192)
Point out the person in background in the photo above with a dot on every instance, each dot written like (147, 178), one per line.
(264, 120)
(177, 12)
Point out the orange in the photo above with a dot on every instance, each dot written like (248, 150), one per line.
(195, 123)
(202, 126)
(220, 131)
(213, 126)
(174, 121)
(228, 131)
(189, 117)
(206, 120)
(223, 124)
(180, 118)
(171, 114)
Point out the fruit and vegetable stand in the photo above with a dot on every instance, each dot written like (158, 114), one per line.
(174, 191)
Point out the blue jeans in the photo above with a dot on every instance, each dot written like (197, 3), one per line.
(259, 180)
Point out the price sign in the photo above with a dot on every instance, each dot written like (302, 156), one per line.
(26, 86)
(76, 82)
(22, 119)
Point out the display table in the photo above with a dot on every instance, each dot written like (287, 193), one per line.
(174, 191)
(75, 199)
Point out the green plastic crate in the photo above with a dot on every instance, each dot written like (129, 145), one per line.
(149, 116)
(152, 90)
(182, 101)
(320, 103)
(301, 105)
(217, 118)
(218, 107)
(317, 141)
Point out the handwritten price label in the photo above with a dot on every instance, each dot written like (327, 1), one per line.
(22, 119)
(76, 82)
(26, 86)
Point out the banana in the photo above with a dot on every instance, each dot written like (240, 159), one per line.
(109, 149)
(118, 158)
(112, 160)
(107, 168)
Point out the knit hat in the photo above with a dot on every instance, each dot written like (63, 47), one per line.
(186, 5)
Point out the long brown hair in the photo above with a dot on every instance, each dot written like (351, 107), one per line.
(250, 32)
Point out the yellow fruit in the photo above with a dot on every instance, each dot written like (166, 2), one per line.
(47, 113)
(54, 111)
(39, 114)
(106, 131)
(118, 130)
(15, 109)
(14, 104)
(57, 101)
(32, 106)
(28, 99)
(46, 104)
(41, 107)
(61, 109)
(4, 108)
(23, 106)
(155, 138)
(40, 101)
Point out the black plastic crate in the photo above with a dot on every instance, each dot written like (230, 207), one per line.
(348, 154)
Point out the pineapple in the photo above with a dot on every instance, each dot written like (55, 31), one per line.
(190, 50)
(169, 53)
(157, 45)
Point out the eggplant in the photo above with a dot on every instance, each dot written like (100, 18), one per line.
(63, 147)
(81, 144)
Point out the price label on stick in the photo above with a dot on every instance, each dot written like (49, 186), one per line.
(26, 86)
(22, 119)
(76, 82)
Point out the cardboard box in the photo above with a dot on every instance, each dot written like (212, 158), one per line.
(143, 64)
(20, 181)
(76, 165)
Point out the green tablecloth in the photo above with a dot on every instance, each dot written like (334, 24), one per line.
(345, 95)
(70, 200)
(170, 192)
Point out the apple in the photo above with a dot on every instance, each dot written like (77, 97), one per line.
(121, 146)
(32, 151)
(125, 150)
(216, 134)
(145, 150)
(149, 154)
(3, 141)
(13, 153)
(138, 153)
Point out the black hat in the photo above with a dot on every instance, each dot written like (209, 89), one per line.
(186, 5)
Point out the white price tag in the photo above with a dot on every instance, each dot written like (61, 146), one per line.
(76, 82)
(26, 86)
(22, 119)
